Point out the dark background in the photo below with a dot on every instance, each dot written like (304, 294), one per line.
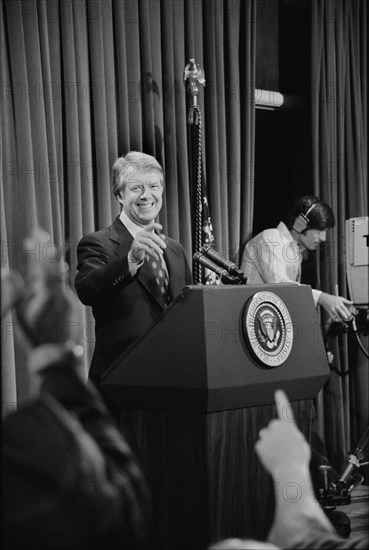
(283, 154)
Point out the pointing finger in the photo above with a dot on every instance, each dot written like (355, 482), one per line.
(284, 409)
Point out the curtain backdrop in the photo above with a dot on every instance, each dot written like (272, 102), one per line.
(340, 164)
(83, 82)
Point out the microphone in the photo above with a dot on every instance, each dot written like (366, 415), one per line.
(215, 257)
(222, 273)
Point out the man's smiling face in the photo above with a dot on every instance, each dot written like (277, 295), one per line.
(142, 197)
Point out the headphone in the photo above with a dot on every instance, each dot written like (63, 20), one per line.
(302, 220)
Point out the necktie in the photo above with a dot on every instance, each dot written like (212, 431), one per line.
(160, 273)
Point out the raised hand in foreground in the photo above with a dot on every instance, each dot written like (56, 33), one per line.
(285, 453)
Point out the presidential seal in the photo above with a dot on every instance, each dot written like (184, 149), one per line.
(267, 328)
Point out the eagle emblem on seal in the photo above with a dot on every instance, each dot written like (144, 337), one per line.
(267, 328)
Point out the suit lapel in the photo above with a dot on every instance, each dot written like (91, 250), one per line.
(120, 235)
(121, 239)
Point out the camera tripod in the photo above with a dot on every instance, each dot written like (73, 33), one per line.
(339, 493)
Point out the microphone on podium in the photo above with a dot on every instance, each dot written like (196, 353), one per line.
(229, 266)
(225, 277)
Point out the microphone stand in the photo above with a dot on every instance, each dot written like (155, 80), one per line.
(236, 275)
(226, 276)
(237, 280)
(233, 280)
(339, 493)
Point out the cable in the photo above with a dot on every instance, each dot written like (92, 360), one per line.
(354, 328)
(342, 374)
(361, 345)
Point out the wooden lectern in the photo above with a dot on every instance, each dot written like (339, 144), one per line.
(194, 391)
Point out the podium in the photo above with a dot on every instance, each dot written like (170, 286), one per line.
(195, 390)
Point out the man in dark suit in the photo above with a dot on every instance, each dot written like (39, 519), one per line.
(129, 272)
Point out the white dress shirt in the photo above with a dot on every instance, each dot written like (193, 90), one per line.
(273, 256)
